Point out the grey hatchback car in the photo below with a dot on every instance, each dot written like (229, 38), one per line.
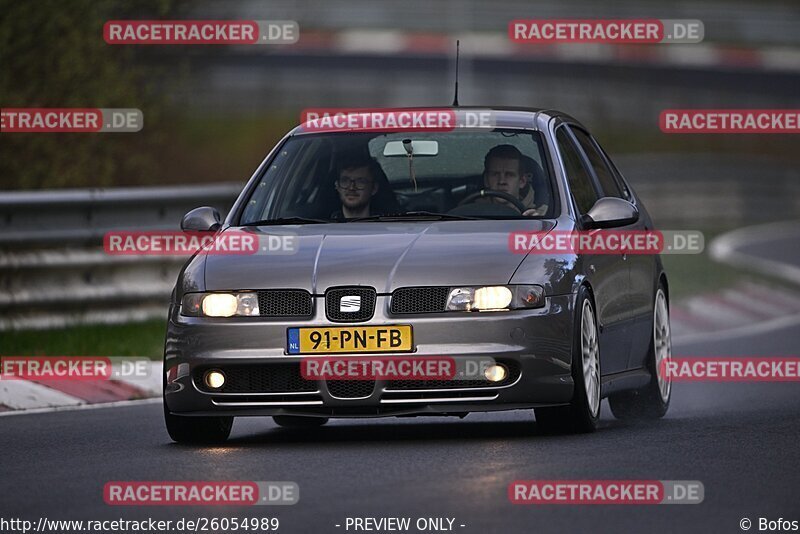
(395, 244)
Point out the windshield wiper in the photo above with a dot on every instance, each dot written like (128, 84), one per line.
(415, 215)
(286, 220)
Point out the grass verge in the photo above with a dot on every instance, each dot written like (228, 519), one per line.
(132, 339)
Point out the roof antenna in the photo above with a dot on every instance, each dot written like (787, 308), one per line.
(455, 98)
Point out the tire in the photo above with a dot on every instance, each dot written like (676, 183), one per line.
(583, 412)
(652, 401)
(197, 430)
(297, 421)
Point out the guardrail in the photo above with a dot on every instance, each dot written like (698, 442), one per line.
(713, 191)
(54, 272)
(36, 218)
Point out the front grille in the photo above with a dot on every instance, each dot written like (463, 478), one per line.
(350, 389)
(444, 396)
(274, 378)
(366, 304)
(419, 300)
(285, 303)
(513, 374)
(294, 399)
(440, 384)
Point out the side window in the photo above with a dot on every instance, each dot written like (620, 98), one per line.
(580, 182)
(262, 200)
(626, 192)
(604, 174)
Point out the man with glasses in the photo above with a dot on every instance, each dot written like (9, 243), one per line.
(356, 185)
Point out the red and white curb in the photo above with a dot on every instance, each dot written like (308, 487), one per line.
(498, 45)
(748, 308)
(46, 395)
(745, 309)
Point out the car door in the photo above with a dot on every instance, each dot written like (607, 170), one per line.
(640, 267)
(607, 273)
(643, 270)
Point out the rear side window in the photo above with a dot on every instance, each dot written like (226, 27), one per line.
(604, 174)
(626, 192)
(580, 182)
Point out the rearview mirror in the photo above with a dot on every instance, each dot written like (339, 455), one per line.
(418, 148)
(204, 219)
(610, 212)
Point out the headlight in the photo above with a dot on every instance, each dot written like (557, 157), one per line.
(492, 298)
(219, 304)
(495, 298)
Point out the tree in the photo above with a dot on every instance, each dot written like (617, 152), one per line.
(52, 54)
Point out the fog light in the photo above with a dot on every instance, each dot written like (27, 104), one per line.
(214, 379)
(496, 373)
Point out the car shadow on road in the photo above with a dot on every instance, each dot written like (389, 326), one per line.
(681, 426)
(394, 432)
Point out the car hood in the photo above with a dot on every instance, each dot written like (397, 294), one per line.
(378, 254)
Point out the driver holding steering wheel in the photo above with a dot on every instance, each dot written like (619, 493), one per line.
(503, 172)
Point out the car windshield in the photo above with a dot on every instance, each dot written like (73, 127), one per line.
(349, 177)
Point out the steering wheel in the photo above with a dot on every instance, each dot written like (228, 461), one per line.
(515, 202)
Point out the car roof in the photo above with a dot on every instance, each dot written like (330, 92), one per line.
(503, 116)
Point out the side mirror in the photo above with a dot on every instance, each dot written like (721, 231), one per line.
(610, 212)
(205, 219)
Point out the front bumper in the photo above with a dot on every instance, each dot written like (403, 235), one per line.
(537, 343)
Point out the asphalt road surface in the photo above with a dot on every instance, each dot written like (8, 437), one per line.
(739, 440)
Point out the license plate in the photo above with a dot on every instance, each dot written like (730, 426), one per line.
(395, 338)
